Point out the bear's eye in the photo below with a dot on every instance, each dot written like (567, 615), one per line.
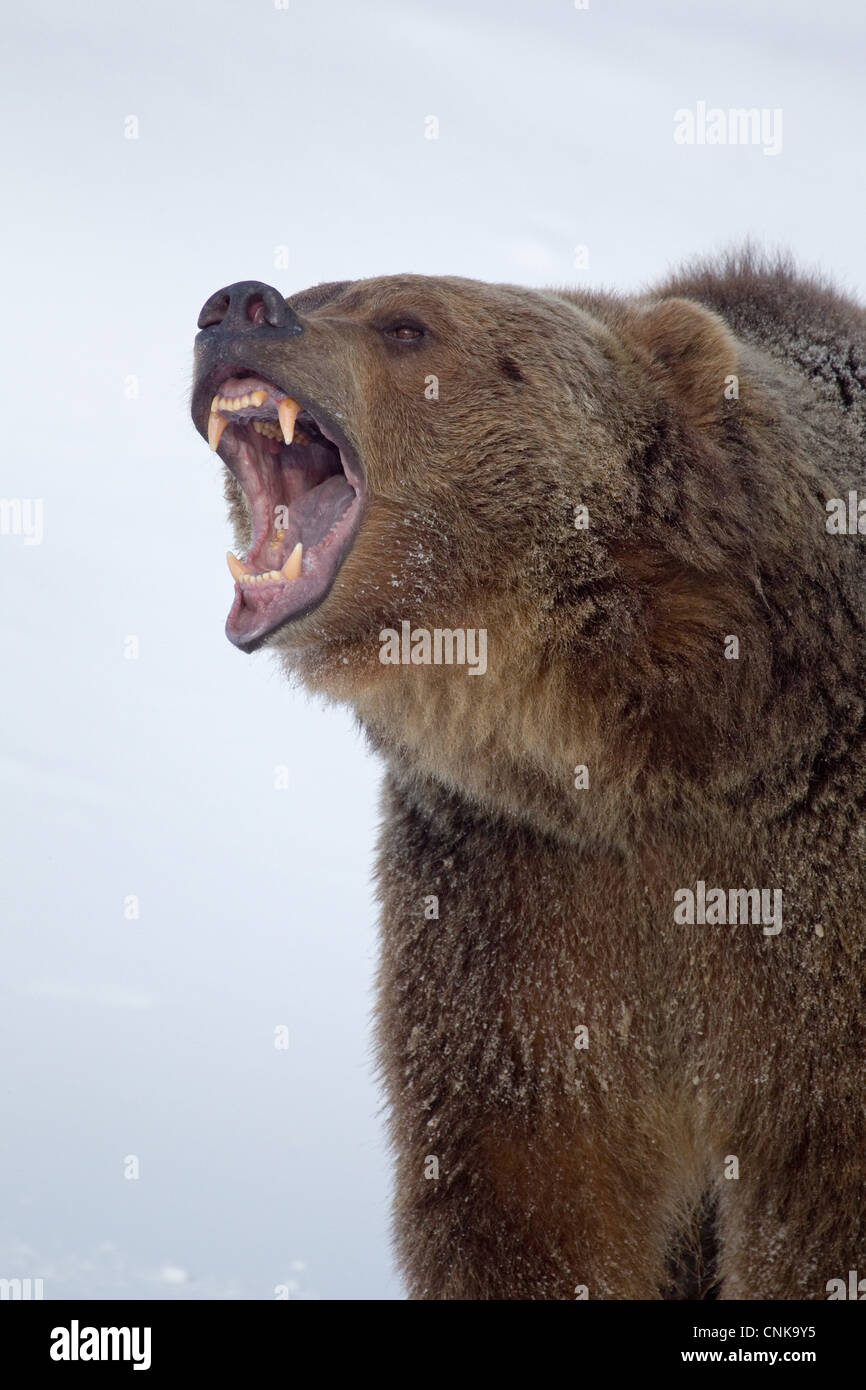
(404, 332)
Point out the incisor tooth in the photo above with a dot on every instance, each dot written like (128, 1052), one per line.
(292, 567)
(215, 426)
(237, 567)
(287, 409)
(258, 397)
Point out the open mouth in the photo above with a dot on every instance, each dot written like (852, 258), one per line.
(304, 493)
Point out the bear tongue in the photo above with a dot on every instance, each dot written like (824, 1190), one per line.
(313, 515)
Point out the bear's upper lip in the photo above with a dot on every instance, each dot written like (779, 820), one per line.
(304, 488)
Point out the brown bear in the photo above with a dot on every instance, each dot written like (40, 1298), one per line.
(589, 569)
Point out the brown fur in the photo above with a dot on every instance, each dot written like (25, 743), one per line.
(560, 1167)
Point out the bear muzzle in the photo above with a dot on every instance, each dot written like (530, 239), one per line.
(301, 479)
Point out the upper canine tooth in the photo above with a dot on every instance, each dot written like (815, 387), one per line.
(292, 567)
(237, 567)
(287, 409)
(215, 426)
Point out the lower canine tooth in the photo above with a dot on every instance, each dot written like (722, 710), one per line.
(292, 567)
(238, 569)
(287, 409)
(215, 426)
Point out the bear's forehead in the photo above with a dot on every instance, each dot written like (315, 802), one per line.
(394, 291)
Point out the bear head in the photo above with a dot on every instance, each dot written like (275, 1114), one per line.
(411, 454)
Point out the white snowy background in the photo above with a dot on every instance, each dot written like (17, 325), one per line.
(262, 127)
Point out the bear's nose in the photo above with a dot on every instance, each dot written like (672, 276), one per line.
(248, 305)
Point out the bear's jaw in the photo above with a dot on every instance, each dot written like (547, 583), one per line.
(304, 494)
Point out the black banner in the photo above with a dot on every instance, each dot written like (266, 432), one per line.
(160, 1338)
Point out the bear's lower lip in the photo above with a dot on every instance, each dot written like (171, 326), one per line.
(304, 498)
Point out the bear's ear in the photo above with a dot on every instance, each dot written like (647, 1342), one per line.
(694, 351)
